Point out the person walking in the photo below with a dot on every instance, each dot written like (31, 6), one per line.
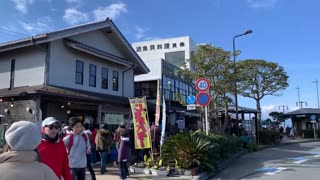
(78, 146)
(22, 161)
(52, 149)
(124, 155)
(103, 142)
(89, 156)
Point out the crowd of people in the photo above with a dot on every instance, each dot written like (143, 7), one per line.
(61, 151)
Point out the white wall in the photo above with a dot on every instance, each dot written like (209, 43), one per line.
(189, 46)
(29, 67)
(63, 69)
(155, 71)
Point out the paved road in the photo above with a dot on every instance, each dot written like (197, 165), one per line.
(292, 162)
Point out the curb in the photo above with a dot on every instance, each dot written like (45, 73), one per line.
(224, 164)
(286, 143)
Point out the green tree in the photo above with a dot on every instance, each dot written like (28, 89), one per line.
(259, 78)
(277, 116)
(214, 64)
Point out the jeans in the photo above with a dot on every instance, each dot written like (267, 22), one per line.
(103, 165)
(78, 173)
(93, 154)
(89, 167)
(123, 169)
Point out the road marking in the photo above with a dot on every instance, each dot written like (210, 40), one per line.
(299, 160)
(275, 172)
(270, 170)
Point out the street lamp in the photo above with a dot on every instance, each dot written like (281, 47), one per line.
(235, 82)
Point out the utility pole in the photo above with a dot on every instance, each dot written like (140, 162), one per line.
(300, 103)
(316, 81)
(283, 107)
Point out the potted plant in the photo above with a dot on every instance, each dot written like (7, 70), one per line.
(159, 170)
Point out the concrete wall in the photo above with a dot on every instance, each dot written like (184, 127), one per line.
(29, 67)
(18, 111)
(155, 73)
(62, 70)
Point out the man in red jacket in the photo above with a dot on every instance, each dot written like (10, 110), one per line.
(52, 149)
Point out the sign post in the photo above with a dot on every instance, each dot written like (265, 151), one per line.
(313, 120)
(203, 98)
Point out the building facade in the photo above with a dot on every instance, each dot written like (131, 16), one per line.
(174, 50)
(84, 71)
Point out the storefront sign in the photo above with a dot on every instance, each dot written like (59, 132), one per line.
(113, 118)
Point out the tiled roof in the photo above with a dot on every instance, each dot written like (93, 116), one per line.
(304, 111)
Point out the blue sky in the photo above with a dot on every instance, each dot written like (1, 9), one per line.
(284, 31)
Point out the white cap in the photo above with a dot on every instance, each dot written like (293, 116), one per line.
(48, 121)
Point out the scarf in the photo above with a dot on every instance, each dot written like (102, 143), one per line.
(53, 140)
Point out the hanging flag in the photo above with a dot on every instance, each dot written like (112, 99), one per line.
(140, 122)
(163, 121)
(157, 119)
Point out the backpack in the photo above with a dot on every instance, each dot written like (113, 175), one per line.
(71, 141)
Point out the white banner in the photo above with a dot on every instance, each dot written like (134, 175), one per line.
(163, 130)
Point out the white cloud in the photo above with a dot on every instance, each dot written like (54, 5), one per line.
(265, 110)
(113, 11)
(140, 32)
(40, 26)
(73, 16)
(22, 5)
(262, 3)
(152, 38)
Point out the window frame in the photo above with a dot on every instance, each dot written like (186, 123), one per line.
(79, 72)
(115, 84)
(103, 78)
(94, 75)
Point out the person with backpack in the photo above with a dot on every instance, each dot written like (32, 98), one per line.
(51, 144)
(89, 166)
(78, 146)
(103, 142)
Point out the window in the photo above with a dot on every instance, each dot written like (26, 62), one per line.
(182, 44)
(167, 46)
(92, 75)
(152, 47)
(138, 49)
(174, 45)
(13, 66)
(79, 72)
(145, 48)
(104, 78)
(159, 46)
(115, 80)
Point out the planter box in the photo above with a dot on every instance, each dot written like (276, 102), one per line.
(159, 172)
(137, 170)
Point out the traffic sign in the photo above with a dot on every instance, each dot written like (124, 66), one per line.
(202, 84)
(191, 107)
(203, 99)
(191, 99)
(313, 117)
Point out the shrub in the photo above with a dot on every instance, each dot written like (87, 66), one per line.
(269, 136)
(191, 150)
(252, 146)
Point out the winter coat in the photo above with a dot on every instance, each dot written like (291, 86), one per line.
(117, 134)
(103, 140)
(78, 152)
(24, 165)
(55, 156)
(124, 150)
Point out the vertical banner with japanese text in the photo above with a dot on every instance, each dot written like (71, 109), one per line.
(140, 122)
(157, 119)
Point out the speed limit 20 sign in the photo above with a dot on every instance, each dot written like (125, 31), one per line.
(202, 84)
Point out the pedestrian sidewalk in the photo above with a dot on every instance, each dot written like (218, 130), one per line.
(113, 174)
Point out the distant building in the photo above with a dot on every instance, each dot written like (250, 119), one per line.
(84, 71)
(175, 50)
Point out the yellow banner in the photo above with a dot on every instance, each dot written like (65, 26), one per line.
(140, 121)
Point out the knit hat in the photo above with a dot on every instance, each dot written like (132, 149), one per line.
(48, 121)
(23, 136)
